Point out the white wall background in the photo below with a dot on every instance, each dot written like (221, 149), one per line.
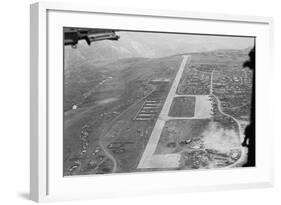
(14, 103)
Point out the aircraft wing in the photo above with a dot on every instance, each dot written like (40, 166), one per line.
(73, 35)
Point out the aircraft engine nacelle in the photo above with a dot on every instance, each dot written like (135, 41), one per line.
(72, 36)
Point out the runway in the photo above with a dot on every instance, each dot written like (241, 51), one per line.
(149, 160)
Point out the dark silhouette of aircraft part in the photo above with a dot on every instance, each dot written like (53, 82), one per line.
(73, 35)
(250, 131)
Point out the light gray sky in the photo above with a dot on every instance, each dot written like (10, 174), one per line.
(150, 44)
(155, 45)
(218, 42)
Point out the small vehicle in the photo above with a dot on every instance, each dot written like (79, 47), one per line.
(186, 141)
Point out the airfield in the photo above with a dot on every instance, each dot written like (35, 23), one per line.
(178, 135)
(158, 114)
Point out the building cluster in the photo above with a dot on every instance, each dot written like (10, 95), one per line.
(195, 82)
(84, 142)
(234, 88)
(153, 103)
(207, 158)
(149, 109)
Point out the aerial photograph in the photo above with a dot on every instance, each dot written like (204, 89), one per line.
(143, 101)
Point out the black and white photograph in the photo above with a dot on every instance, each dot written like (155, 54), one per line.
(143, 101)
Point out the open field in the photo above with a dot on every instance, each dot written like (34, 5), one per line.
(183, 107)
(105, 112)
(177, 132)
(203, 107)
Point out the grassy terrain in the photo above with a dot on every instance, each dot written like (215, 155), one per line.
(182, 107)
(103, 107)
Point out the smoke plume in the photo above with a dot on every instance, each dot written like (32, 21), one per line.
(218, 138)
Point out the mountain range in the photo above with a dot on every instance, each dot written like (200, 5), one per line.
(150, 45)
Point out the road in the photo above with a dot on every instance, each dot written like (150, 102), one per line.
(243, 156)
(108, 129)
(222, 112)
(109, 156)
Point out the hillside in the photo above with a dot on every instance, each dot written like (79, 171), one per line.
(84, 79)
(151, 45)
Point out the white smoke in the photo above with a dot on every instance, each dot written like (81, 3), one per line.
(218, 138)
